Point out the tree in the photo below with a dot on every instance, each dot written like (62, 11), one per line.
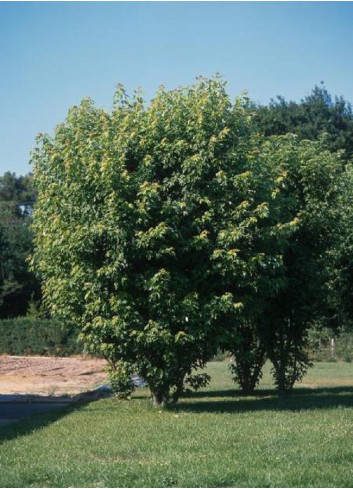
(310, 176)
(151, 229)
(340, 258)
(17, 283)
(305, 202)
(266, 247)
(316, 115)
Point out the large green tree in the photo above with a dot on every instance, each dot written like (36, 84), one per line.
(153, 230)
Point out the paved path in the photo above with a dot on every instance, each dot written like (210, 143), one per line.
(16, 407)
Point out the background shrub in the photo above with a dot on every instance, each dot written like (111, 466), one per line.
(32, 336)
(330, 345)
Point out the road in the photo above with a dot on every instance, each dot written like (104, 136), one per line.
(16, 407)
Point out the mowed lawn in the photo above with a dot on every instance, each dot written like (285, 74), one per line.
(215, 438)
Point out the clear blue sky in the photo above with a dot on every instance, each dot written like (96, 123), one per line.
(54, 54)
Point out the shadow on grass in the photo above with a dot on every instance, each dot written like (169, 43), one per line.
(267, 400)
(36, 420)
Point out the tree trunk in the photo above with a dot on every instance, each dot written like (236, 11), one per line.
(159, 399)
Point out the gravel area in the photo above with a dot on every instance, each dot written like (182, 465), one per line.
(50, 376)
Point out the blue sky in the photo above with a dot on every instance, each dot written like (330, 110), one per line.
(54, 54)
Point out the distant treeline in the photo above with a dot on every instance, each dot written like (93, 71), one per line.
(18, 286)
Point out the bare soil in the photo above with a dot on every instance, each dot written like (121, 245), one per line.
(51, 376)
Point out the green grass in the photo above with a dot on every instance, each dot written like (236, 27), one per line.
(215, 438)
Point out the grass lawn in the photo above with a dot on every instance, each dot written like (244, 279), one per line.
(215, 438)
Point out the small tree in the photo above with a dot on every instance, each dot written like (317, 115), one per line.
(309, 198)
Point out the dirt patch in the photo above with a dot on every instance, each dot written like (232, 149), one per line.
(50, 375)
